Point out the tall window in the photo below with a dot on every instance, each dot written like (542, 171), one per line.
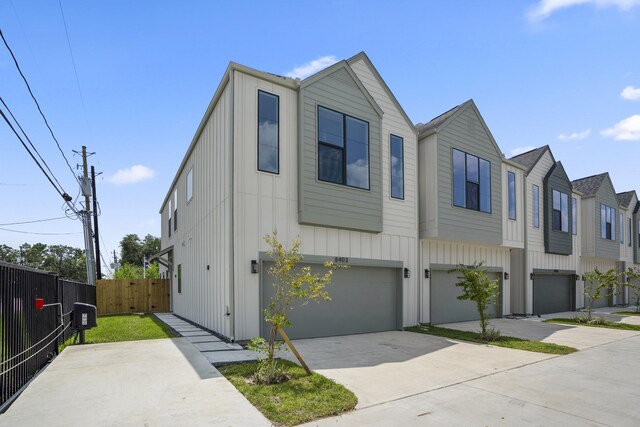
(574, 215)
(190, 185)
(471, 182)
(179, 278)
(268, 132)
(536, 206)
(607, 222)
(170, 213)
(560, 211)
(621, 228)
(511, 179)
(397, 167)
(175, 209)
(343, 149)
(630, 231)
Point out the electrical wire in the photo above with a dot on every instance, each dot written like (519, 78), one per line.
(34, 221)
(15, 61)
(39, 234)
(35, 345)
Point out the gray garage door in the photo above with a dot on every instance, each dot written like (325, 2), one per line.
(603, 301)
(552, 293)
(445, 305)
(363, 299)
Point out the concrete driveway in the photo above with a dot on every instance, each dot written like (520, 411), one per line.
(163, 382)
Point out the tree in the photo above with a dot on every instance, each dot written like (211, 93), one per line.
(595, 282)
(633, 274)
(150, 245)
(8, 254)
(477, 287)
(131, 271)
(133, 250)
(293, 285)
(67, 261)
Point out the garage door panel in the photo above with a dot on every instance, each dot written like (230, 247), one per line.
(552, 293)
(445, 305)
(363, 299)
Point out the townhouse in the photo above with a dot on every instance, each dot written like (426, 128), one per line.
(629, 241)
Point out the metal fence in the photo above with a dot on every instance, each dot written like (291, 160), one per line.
(29, 338)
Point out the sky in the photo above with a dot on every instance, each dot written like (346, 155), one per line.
(133, 79)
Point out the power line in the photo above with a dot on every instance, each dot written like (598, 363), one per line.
(39, 234)
(15, 61)
(34, 221)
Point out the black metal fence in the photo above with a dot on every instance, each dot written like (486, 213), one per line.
(29, 337)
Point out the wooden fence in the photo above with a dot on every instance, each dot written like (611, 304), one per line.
(132, 296)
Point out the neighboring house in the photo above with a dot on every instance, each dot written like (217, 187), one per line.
(331, 159)
(600, 228)
(470, 211)
(629, 205)
(544, 274)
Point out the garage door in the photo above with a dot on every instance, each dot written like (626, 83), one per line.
(445, 305)
(363, 299)
(604, 300)
(552, 293)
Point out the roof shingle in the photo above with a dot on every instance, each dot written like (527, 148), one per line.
(590, 185)
(625, 198)
(530, 158)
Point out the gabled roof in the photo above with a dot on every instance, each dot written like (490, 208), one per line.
(531, 158)
(436, 122)
(624, 199)
(590, 185)
(363, 56)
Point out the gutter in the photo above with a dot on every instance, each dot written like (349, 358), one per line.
(232, 308)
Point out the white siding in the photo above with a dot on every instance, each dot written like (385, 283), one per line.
(513, 230)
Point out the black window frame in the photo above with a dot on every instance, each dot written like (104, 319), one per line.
(621, 230)
(179, 273)
(258, 133)
(391, 136)
(189, 180)
(574, 216)
(343, 148)
(170, 213)
(466, 181)
(559, 212)
(608, 229)
(511, 196)
(535, 195)
(630, 232)
(175, 210)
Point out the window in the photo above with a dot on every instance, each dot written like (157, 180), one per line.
(471, 182)
(621, 228)
(175, 209)
(190, 185)
(560, 212)
(170, 212)
(536, 206)
(343, 149)
(607, 222)
(630, 233)
(179, 278)
(574, 215)
(397, 167)
(268, 132)
(511, 179)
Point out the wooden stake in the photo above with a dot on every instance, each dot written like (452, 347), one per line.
(293, 350)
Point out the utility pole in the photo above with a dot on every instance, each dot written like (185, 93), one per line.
(88, 234)
(96, 234)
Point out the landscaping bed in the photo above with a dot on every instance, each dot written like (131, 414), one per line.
(596, 323)
(626, 313)
(502, 341)
(300, 399)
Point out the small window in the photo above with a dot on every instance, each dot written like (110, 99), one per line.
(621, 228)
(560, 211)
(397, 167)
(175, 209)
(574, 215)
(268, 132)
(536, 206)
(607, 222)
(179, 278)
(471, 182)
(170, 212)
(630, 231)
(511, 179)
(190, 185)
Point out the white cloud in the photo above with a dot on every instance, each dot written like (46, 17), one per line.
(135, 173)
(631, 93)
(520, 150)
(312, 67)
(625, 130)
(544, 8)
(574, 136)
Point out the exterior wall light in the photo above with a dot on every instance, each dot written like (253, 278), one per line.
(407, 273)
(506, 276)
(427, 273)
(531, 276)
(254, 266)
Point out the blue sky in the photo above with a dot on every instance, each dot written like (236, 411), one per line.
(541, 72)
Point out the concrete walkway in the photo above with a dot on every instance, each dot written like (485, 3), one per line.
(163, 382)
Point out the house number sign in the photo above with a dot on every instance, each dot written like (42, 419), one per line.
(342, 259)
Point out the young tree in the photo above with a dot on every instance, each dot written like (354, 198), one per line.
(633, 274)
(595, 282)
(293, 286)
(477, 287)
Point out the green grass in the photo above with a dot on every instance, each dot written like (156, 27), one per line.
(607, 324)
(503, 341)
(301, 399)
(627, 313)
(126, 327)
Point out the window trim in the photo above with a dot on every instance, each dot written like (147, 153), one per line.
(603, 223)
(258, 132)
(574, 216)
(511, 197)
(170, 212)
(391, 135)
(175, 210)
(621, 230)
(490, 211)
(189, 179)
(343, 148)
(535, 195)
(559, 230)
(630, 232)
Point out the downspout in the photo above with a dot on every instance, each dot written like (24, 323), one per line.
(232, 323)
(419, 274)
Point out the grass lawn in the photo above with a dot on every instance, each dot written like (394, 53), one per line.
(627, 313)
(608, 324)
(503, 341)
(301, 399)
(126, 327)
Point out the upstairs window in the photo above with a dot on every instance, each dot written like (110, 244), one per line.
(170, 213)
(471, 182)
(621, 228)
(511, 179)
(560, 212)
(343, 149)
(607, 222)
(397, 167)
(536, 206)
(574, 215)
(190, 185)
(630, 232)
(175, 209)
(268, 132)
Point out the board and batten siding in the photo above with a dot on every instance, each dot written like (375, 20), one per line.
(513, 229)
(330, 204)
(557, 242)
(442, 253)
(626, 248)
(589, 264)
(606, 249)
(466, 132)
(202, 241)
(265, 202)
